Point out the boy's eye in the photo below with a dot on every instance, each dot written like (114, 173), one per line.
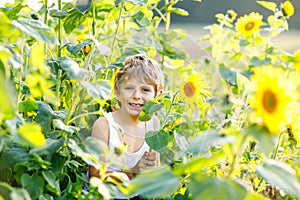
(128, 88)
(147, 90)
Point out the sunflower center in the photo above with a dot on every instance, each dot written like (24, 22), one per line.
(249, 26)
(270, 101)
(189, 89)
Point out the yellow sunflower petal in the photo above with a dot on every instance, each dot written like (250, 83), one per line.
(275, 98)
(193, 91)
(297, 57)
(248, 24)
(287, 9)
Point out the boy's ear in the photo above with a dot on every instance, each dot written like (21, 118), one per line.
(116, 92)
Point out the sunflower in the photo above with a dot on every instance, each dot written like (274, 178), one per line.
(297, 57)
(287, 9)
(193, 91)
(248, 24)
(274, 98)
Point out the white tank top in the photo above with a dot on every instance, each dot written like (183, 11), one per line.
(131, 159)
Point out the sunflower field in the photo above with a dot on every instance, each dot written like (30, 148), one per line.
(230, 126)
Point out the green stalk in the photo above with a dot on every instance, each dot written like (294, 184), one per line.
(94, 18)
(170, 108)
(57, 88)
(236, 155)
(168, 17)
(59, 32)
(277, 147)
(117, 30)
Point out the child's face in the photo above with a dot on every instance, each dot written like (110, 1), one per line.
(133, 94)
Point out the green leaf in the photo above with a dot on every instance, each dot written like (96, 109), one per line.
(101, 90)
(50, 147)
(11, 12)
(33, 184)
(141, 19)
(143, 116)
(281, 175)
(76, 48)
(157, 140)
(44, 116)
(287, 58)
(201, 143)
(255, 61)
(179, 11)
(152, 106)
(12, 155)
(155, 183)
(73, 70)
(211, 188)
(91, 152)
(58, 13)
(73, 19)
(195, 165)
(57, 123)
(228, 75)
(138, 2)
(36, 29)
(265, 140)
(21, 193)
(51, 180)
(267, 4)
(28, 105)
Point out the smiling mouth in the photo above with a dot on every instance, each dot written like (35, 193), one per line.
(136, 105)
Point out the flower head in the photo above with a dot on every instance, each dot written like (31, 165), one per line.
(194, 90)
(297, 57)
(275, 98)
(248, 24)
(287, 9)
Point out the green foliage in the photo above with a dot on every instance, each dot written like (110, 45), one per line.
(56, 72)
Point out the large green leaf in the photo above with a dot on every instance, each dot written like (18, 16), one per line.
(72, 20)
(209, 138)
(33, 184)
(155, 183)
(265, 140)
(73, 70)
(12, 12)
(12, 155)
(228, 75)
(36, 29)
(157, 140)
(50, 147)
(28, 105)
(149, 109)
(90, 152)
(281, 175)
(211, 188)
(101, 90)
(51, 180)
(59, 124)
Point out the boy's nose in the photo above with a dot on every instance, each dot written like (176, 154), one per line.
(136, 94)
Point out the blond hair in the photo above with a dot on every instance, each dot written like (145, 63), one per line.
(143, 68)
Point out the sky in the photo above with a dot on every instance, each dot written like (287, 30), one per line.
(34, 4)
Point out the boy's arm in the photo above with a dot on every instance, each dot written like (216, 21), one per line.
(100, 131)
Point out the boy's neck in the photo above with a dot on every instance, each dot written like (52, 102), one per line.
(127, 119)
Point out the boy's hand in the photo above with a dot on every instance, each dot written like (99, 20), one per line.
(151, 159)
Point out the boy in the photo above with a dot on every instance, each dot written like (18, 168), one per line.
(140, 80)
